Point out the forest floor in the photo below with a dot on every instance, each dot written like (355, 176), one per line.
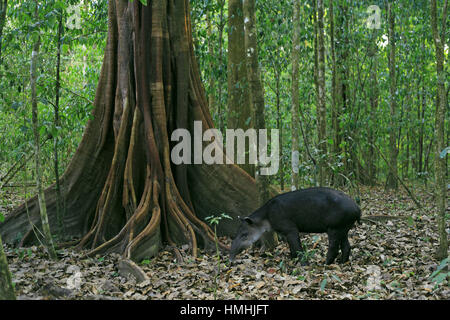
(392, 258)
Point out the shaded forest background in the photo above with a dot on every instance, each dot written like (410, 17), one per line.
(358, 118)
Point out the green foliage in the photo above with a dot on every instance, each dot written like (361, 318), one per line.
(442, 272)
(82, 54)
(81, 59)
(215, 220)
(145, 262)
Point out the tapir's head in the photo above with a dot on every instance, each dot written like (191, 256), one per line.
(249, 231)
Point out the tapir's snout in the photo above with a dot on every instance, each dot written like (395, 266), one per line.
(234, 250)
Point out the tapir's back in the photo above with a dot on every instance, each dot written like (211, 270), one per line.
(313, 210)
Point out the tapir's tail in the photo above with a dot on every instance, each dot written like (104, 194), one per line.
(358, 202)
(358, 218)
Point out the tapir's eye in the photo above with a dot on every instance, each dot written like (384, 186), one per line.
(245, 235)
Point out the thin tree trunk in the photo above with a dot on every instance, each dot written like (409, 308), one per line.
(373, 97)
(212, 86)
(321, 107)
(280, 128)
(295, 96)
(421, 118)
(37, 147)
(3, 7)
(391, 182)
(257, 99)
(240, 113)
(334, 111)
(342, 103)
(256, 88)
(57, 123)
(441, 105)
(220, 113)
(6, 288)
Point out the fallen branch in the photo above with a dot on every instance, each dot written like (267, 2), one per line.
(376, 219)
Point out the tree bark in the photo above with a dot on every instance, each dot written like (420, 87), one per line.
(391, 182)
(441, 105)
(373, 98)
(122, 192)
(257, 99)
(321, 107)
(37, 147)
(295, 97)
(6, 288)
(240, 113)
(212, 86)
(334, 111)
(220, 115)
(256, 88)
(3, 7)
(341, 85)
(60, 212)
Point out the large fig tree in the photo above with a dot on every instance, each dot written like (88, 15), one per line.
(122, 191)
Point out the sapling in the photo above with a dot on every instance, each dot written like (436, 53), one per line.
(214, 221)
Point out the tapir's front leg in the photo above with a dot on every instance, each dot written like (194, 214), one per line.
(294, 243)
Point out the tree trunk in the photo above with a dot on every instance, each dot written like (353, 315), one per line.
(321, 107)
(295, 97)
(3, 7)
(257, 99)
(373, 99)
(6, 288)
(122, 192)
(334, 111)
(212, 86)
(280, 128)
(391, 182)
(37, 147)
(256, 88)
(60, 212)
(341, 85)
(421, 106)
(240, 113)
(220, 115)
(441, 105)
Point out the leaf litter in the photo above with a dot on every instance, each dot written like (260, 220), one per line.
(390, 259)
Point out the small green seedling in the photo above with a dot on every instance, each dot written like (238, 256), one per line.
(214, 221)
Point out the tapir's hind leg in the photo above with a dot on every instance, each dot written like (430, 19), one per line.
(345, 249)
(334, 240)
(338, 239)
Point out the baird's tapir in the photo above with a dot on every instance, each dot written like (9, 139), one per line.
(312, 210)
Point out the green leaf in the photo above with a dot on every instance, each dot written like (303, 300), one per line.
(323, 284)
(2, 217)
(224, 215)
(336, 278)
(439, 269)
(145, 262)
